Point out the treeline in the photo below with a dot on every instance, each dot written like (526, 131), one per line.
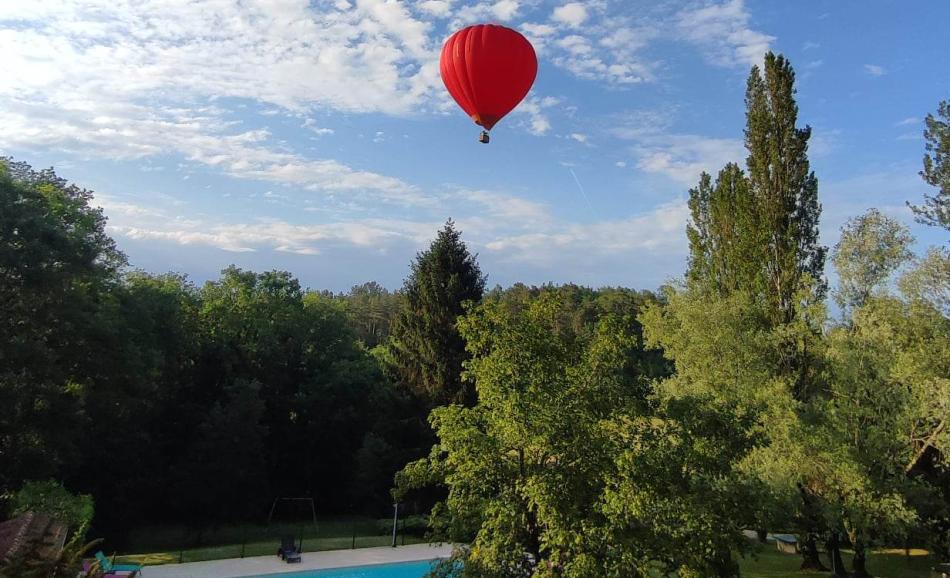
(169, 402)
(582, 457)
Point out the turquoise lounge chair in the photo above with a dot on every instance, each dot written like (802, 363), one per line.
(108, 567)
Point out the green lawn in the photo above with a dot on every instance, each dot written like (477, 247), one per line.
(886, 564)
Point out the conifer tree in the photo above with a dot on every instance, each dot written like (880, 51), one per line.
(426, 348)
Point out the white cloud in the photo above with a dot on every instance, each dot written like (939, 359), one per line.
(658, 231)
(723, 32)
(874, 70)
(505, 9)
(121, 131)
(681, 157)
(910, 120)
(508, 228)
(311, 125)
(581, 138)
(125, 80)
(277, 235)
(538, 122)
(285, 54)
(573, 14)
(437, 8)
(612, 57)
(507, 212)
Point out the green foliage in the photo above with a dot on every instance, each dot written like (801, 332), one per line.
(426, 347)
(936, 209)
(726, 248)
(758, 231)
(102, 368)
(51, 498)
(871, 248)
(224, 460)
(567, 465)
(56, 263)
(929, 281)
(371, 310)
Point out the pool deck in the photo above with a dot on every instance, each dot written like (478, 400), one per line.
(263, 565)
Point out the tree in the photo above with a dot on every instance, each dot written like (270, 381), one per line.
(936, 209)
(758, 231)
(524, 467)
(929, 280)
(887, 409)
(729, 370)
(426, 347)
(220, 478)
(726, 248)
(871, 248)
(322, 390)
(565, 466)
(371, 309)
(784, 188)
(56, 263)
(51, 498)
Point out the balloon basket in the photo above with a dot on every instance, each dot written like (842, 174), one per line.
(483, 138)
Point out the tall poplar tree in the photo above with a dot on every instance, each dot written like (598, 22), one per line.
(758, 230)
(426, 348)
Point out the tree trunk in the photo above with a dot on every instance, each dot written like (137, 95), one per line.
(834, 555)
(859, 560)
(810, 524)
(725, 565)
(810, 558)
(762, 535)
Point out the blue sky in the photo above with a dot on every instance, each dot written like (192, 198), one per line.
(317, 137)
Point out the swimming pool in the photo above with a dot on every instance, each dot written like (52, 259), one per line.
(399, 570)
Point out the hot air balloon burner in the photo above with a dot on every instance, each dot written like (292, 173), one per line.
(483, 138)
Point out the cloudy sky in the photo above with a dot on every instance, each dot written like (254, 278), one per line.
(316, 136)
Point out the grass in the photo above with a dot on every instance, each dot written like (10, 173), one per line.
(770, 563)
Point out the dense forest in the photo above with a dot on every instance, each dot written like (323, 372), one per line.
(555, 430)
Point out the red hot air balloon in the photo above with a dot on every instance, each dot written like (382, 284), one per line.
(488, 69)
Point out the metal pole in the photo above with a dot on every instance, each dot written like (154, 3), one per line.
(395, 520)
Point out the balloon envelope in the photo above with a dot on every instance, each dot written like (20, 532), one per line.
(488, 69)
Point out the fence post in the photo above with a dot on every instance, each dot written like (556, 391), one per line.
(395, 521)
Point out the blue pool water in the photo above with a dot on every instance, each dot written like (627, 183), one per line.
(400, 570)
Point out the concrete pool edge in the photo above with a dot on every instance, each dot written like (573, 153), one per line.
(329, 559)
